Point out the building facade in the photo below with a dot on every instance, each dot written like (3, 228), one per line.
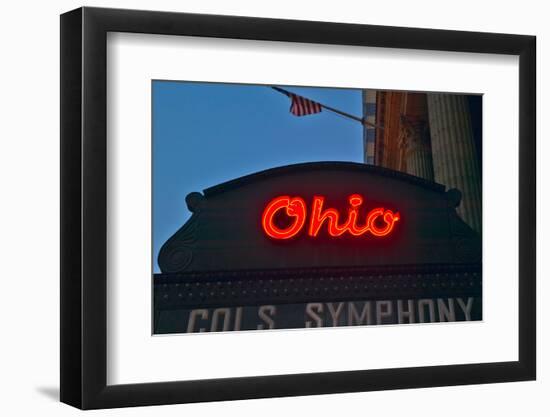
(433, 136)
(328, 244)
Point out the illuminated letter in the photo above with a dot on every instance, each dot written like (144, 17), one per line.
(446, 314)
(318, 217)
(355, 318)
(311, 311)
(389, 218)
(238, 318)
(466, 308)
(355, 201)
(384, 309)
(431, 309)
(402, 314)
(335, 313)
(226, 313)
(264, 312)
(294, 207)
(203, 313)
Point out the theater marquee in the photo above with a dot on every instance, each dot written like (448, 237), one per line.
(319, 245)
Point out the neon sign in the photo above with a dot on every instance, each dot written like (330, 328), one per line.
(379, 222)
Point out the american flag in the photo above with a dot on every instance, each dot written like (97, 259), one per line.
(301, 106)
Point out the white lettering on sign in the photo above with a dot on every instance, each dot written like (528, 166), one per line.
(345, 313)
(403, 314)
(312, 311)
(266, 314)
(356, 319)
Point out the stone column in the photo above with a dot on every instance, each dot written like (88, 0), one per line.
(415, 142)
(414, 137)
(454, 154)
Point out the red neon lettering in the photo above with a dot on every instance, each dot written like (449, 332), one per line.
(379, 222)
(294, 207)
(318, 217)
(389, 219)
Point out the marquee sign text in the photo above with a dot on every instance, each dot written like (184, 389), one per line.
(328, 314)
(378, 222)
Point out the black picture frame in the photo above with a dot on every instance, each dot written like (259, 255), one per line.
(83, 207)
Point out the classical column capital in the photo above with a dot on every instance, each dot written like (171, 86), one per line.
(414, 133)
(414, 139)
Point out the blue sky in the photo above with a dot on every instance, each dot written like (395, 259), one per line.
(208, 133)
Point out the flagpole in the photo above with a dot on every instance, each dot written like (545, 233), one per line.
(332, 109)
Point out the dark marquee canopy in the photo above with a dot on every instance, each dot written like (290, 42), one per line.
(222, 259)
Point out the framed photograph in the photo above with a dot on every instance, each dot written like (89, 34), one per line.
(256, 208)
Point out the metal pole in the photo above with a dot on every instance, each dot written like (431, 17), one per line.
(332, 109)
